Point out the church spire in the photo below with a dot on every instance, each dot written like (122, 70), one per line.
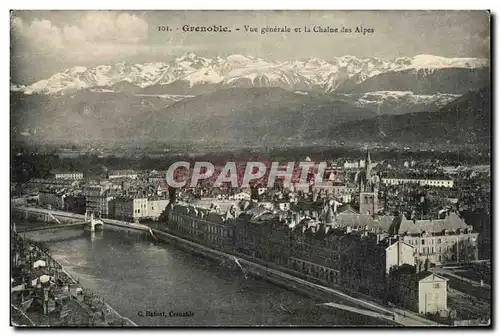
(368, 165)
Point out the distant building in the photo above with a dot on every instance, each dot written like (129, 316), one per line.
(203, 225)
(442, 182)
(240, 196)
(368, 188)
(61, 175)
(75, 204)
(98, 200)
(355, 164)
(130, 208)
(161, 187)
(283, 206)
(439, 241)
(130, 174)
(156, 207)
(39, 183)
(398, 253)
(53, 198)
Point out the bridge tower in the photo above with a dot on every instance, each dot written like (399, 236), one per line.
(95, 223)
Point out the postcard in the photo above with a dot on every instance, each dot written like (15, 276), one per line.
(250, 168)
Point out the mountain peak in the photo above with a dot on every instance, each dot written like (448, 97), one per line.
(241, 70)
(187, 56)
(433, 62)
(236, 58)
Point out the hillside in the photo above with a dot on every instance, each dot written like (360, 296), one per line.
(466, 120)
(236, 114)
(80, 116)
(422, 81)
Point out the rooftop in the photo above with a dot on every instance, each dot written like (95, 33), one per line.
(452, 222)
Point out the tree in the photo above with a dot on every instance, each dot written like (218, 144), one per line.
(464, 252)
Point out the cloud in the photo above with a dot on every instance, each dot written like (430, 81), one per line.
(97, 34)
(41, 35)
(73, 34)
(113, 27)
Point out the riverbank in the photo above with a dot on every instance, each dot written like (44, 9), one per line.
(275, 276)
(44, 294)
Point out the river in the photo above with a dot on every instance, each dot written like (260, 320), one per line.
(135, 275)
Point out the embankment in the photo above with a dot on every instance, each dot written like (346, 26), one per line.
(272, 275)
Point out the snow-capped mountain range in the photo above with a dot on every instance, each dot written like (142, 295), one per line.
(401, 102)
(190, 71)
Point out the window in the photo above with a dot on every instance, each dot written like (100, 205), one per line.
(436, 285)
(439, 240)
(423, 241)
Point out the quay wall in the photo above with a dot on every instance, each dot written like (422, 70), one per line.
(271, 275)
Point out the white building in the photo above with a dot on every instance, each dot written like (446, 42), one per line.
(440, 241)
(156, 206)
(351, 165)
(67, 175)
(446, 183)
(399, 253)
(240, 196)
(423, 292)
(131, 174)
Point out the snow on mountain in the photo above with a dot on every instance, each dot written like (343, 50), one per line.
(402, 102)
(17, 87)
(239, 70)
(203, 76)
(437, 62)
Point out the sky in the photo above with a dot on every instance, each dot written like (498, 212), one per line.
(47, 42)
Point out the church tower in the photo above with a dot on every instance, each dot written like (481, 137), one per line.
(368, 191)
(368, 166)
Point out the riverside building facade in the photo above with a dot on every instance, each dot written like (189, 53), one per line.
(350, 258)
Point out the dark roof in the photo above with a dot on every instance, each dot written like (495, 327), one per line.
(452, 222)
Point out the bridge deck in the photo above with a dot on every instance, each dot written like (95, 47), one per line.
(54, 227)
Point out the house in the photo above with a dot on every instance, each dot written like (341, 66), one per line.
(98, 200)
(130, 208)
(423, 292)
(399, 253)
(156, 206)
